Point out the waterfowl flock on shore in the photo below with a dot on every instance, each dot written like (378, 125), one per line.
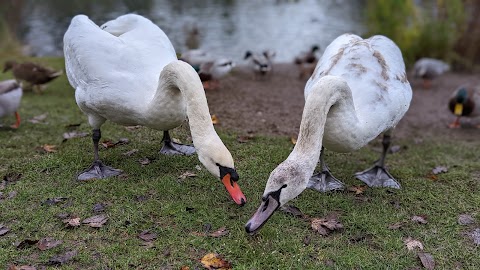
(357, 90)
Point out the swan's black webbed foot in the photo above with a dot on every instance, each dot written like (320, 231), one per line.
(171, 148)
(324, 182)
(98, 170)
(377, 176)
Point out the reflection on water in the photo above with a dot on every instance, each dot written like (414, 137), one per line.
(223, 27)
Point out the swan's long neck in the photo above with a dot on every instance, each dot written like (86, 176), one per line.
(329, 97)
(180, 76)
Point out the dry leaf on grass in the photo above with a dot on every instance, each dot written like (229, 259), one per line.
(144, 161)
(98, 207)
(49, 148)
(62, 258)
(22, 267)
(411, 243)
(293, 140)
(48, 243)
(465, 219)
(72, 222)
(53, 201)
(293, 210)
(427, 260)
(3, 230)
(132, 128)
(130, 153)
(215, 261)
(96, 221)
(187, 174)
(38, 119)
(12, 177)
(185, 267)
(218, 233)
(109, 144)
(244, 138)
(74, 134)
(26, 243)
(396, 226)
(439, 170)
(326, 225)
(475, 235)
(147, 236)
(357, 189)
(420, 219)
(214, 119)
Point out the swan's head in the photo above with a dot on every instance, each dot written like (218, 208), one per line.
(219, 162)
(286, 182)
(8, 65)
(123, 24)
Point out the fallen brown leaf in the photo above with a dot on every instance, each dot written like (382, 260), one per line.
(3, 230)
(72, 126)
(38, 119)
(130, 153)
(147, 236)
(23, 267)
(396, 226)
(26, 243)
(53, 201)
(432, 176)
(465, 219)
(244, 139)
(326, 225)
(214, 119)
(215, 261)
(96, 221)
(185, 267)
(74, 134)
(357, 189)
(110, 144)
(293, 210)
(475, 235)
(62, 258)
(49, 148)
(411, 243)
(72, 222)
(48, 243)
(12, 177)
(293, 140)
(98, 207)
(219, 233)
(132, 128)
(187, 174)
(144, 161)
(427, 260)
(439, 170)
(420, 219)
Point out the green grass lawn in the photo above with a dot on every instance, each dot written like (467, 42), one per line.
(151, 197)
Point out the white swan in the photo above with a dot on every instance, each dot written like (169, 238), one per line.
(10, 96)
(128, 73)
(358, 90)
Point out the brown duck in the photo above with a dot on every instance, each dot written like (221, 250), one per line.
(34, 74)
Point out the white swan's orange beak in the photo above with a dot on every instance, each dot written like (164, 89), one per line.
(234, 189)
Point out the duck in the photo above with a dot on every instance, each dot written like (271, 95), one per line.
(211, 72)
(358, 91)
(428, 69)
(126, 71)
(261, 63)
(10, 96)
(34, 74)
(464, 102)
(306, 61)
(209, 68)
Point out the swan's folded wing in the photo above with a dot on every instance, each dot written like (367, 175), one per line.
(89, 51)
(7, 86)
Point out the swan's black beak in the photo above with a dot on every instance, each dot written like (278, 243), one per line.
(264, 212)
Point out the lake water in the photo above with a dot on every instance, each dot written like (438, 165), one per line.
(223, 27)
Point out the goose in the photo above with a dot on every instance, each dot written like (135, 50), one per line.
(464, 102)
(34, 74)
(127, 72)
(428, 69)
(261, 63)
(10, 96)
(358, 91)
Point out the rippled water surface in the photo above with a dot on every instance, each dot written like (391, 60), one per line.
(226, 28)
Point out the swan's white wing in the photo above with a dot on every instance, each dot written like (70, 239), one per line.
(375, 72)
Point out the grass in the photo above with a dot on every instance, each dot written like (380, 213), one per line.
(152, 198)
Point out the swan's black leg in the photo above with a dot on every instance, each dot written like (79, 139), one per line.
(324, 181)
(172, 148)
(378, 176)
(97, 170)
